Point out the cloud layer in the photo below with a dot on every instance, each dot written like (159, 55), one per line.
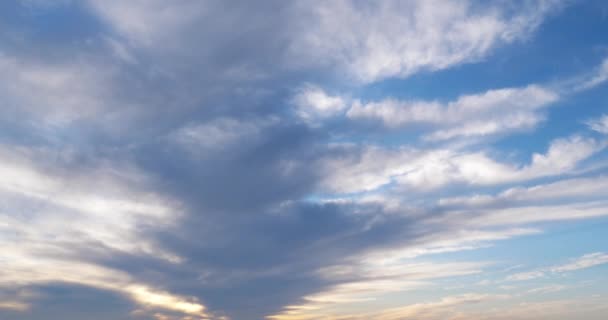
(210, 160)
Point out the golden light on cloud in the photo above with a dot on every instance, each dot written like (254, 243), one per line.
(72, 213)
(14, 305)
(149, 297)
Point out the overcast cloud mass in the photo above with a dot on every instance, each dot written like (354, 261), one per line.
(303, 160)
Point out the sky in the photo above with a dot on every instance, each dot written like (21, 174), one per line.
(303, 160)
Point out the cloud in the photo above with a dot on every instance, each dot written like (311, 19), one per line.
(583, 262)
(566, 189)
(526, 276)
(600, 125)
(491, 112)
(52, 195)
(207, 188)
(594, 79)
(64, 92)
(394, 39)
(22, 272)
(567, 199)
(148, 23)
(54, 224)
(218, 134)
(477, 168)
(496, 111)
(535, 213)
(362, 280)
(368, 168)
(312, 102)
(164, 300)
(13, 305)
(431, 310)
(474, 306)
(373, 281)
(354, 169)
(452, 240)
(546, 289)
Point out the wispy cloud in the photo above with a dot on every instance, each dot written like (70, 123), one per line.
(583, 262)
(600, 125)
(370, 167)
(409, 37)
(491, 112)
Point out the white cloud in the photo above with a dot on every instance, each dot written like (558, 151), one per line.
(477, 168)
(397, 113)
(367, 41)
(572, 189)
(523, 276)
(450, 241)
(312, 102)
(600, 125)
(511, 122)
(599, 76)
(532, 214)
(583, 262)
(563, 154)
(491, 112)
(378, 40)
(370, 167)
(365, 169)
(71, 210)
(546, 289)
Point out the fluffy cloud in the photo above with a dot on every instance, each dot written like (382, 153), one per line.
(312, 102)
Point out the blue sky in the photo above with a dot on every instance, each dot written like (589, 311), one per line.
(334, 160)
